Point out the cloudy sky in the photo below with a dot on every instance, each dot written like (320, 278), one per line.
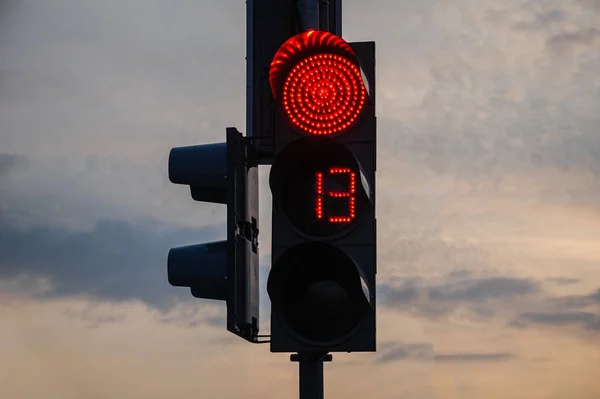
(488, 200)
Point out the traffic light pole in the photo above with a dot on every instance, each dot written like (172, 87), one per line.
(325, 15)
(311, 373)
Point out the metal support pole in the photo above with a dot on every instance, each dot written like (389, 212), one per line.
(311, 373)
(335, 17)
(324, 11)
(309, 13)
(325, 15)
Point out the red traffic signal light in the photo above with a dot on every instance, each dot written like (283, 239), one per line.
(316, 78)
(322, 278)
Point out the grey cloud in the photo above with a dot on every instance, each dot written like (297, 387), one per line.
(485, 297)
(578, 301)
(567, 311)
(194, 314)
(522, 137)
(81, 190)
(137, 74)
(477, 122)
(479, 298)
(460, 273)
(589, 196)
(217, 321)
(6, 7)
(542, 20)
(474, 357)
(390, 295)
(115, 261)
(417, 246)
(397, 351)
(394, 352)
(588, 320)
(226, 340)
(563, 41)
(593, 5)
(483, 289)
(553, 15)
(563, 280)
(9, 162)
(474, 290)
(95, 317)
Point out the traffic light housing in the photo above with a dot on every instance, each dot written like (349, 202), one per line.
(223, 173)
(322, 281)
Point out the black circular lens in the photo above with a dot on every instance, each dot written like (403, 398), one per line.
(319, 292)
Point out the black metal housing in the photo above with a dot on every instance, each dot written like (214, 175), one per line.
(358, 245)
(224, 173)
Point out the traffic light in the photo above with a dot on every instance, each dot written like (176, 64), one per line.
(223, 173)
(322, 281)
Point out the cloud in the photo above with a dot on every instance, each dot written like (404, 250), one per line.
(542, 20)
(461, 298)
(9, 162)
(563, 280)
(529, 136)
(578, 301)
(395, 352)
(114, 261)
(563, 42)
(140, 81)
(389, 295)
(474, 357)
(587, 320)
(458, 288)
(194, 313)
(592, 5)
(6, 7)
(465, 299)
(483, 289)
(96, 314)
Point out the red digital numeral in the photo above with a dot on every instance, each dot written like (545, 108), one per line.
(349, 194)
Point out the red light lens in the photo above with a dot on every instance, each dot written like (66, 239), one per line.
(323, 94)
(316, 78)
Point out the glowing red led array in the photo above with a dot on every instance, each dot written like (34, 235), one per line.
(349, 194)
(323, 94)
(319, 207)
(294, 47)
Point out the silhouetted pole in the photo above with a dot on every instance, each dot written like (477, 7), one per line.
(325, 15)
(311, 373)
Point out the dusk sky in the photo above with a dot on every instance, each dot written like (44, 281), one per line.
(488, 201)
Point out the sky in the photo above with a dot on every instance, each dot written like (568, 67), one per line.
(488, 201)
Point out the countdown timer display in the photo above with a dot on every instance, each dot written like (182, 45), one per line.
(321, 199)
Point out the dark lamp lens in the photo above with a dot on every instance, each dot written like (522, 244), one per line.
(319, 292)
